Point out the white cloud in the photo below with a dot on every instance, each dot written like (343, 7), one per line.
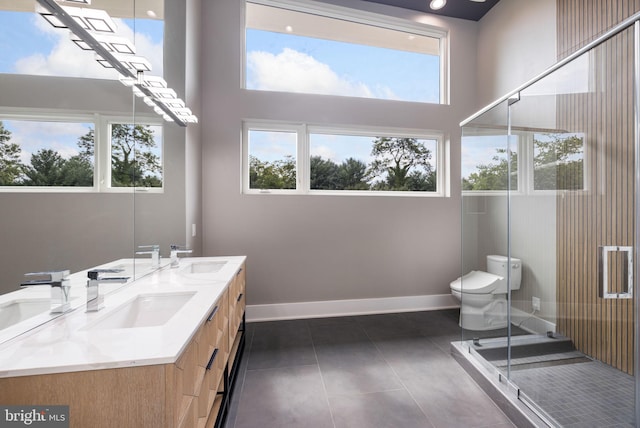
(67, 59)
(294, 71)
(32, 136)
(325, 153)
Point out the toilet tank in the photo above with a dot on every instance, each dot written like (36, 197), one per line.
(498, 265)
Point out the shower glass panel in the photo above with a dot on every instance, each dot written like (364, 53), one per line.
(487, 175)
(549, 180)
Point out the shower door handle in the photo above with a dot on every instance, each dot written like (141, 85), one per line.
(605, 291)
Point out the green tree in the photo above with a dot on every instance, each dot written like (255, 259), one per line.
(279, 174)
(10, 165)
(45, 170)
(353, 175)
(132, 161)
(324, 174)
(86, 144)
(558, 163)
(493, 176)
(77, 171)
(396, 159)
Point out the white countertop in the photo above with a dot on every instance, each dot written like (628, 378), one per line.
(65, 344)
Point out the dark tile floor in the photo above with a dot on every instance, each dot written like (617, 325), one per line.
(391, 370)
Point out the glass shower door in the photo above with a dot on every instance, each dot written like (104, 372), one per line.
(572, 224)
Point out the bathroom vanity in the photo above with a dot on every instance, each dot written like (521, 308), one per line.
(162, 353)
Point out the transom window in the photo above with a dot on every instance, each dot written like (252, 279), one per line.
(296, 47)
(293, 158)
(31, 46)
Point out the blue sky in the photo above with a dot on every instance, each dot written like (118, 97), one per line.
(30, 45)
(273, 59)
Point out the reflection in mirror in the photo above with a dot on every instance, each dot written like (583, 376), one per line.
(64, 155)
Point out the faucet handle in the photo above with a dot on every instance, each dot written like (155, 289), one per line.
(176, 247)
(51, 276)
(95, 273)
(153, 248)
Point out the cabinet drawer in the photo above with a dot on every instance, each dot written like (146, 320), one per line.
(237, 302)
(198, 372)
(214, 329)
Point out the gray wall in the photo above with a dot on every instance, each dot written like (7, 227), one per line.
(516, 42)
(315, 248)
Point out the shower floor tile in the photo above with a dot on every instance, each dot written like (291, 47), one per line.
(584, 394)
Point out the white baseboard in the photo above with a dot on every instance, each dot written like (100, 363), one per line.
(336, 308)
(531, 323)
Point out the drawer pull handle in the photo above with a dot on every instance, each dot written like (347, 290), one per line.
(213, 357)
(239, 272)
(240, 297)
(212, 314)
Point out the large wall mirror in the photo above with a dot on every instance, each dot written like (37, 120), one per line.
(88, 170)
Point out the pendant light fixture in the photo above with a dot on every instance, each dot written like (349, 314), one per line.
(93, 29)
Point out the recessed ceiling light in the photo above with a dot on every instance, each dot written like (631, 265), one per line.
(288, 28)
(437, 4)
(151, 14)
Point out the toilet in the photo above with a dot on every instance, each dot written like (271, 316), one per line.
(483, 295)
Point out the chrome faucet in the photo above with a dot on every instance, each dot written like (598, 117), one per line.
(95, 300)
(60, 288)
(175, 250)
(154, 250)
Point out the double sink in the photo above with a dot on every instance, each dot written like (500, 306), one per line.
(30, 308)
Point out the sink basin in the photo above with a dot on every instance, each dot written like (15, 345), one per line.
(204, 267)
(19, 310)
(145, 310)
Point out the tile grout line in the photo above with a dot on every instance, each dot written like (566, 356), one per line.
(396, 375)
(324, 386)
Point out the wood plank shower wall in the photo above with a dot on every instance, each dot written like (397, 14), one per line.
(602, 215)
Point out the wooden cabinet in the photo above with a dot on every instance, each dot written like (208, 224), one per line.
(237, 305)
(193, 392)
(197, 379)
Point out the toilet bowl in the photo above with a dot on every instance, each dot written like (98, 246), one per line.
(483, 295)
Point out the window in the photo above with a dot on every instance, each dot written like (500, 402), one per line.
(272, 159)
(136, 155)
(549, 161)
(485, 163)
(301, 159)
(558, 161)
(66, 153)
(294, 47)
(31, 46)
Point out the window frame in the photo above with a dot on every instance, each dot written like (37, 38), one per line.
(303, 157)
(102, 149)
(526, 169)
(360, 17)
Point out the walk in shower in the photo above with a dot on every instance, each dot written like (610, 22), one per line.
(551, 176)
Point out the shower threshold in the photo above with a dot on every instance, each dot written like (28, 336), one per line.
(548, 382)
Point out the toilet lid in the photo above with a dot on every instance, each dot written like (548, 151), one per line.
(476, 282)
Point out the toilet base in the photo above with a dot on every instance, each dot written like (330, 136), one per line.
(491, 316)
